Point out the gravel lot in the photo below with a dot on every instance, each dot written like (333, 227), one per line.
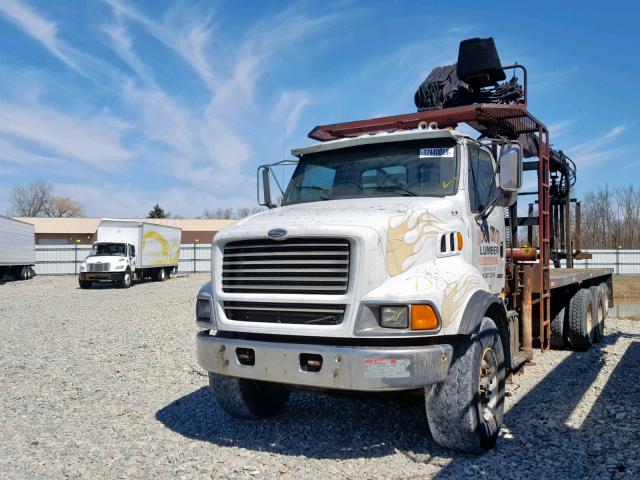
(104, 383)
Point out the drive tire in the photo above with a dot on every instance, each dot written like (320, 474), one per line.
(581, 321)
(161, 275)
(459, 418)
(248, 399)
(558, 339)
(600, 303)
(126, 279)
(85, 284)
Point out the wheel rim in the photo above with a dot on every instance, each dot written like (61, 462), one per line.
(127, 279)
(488, 385)
(590, 322)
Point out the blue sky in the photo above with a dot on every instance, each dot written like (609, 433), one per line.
(122, 104)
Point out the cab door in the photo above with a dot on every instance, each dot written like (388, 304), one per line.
(488, 229)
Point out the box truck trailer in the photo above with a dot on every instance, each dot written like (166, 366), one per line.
(126, 251)
(393, 262)
(17, 249)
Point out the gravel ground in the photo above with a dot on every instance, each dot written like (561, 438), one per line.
(104, 383)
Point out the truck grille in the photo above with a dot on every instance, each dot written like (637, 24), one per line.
(295, 265)
(98, 267)
(296, 313)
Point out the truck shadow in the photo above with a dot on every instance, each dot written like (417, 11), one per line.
(540, 423)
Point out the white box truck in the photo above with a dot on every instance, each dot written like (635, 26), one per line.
(17, 249)
(126, 251)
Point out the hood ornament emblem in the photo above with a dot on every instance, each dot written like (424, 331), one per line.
(277, 233)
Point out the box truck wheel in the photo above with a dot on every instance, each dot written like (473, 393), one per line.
(126, 279)
(250, 399)
(84, 284)
(161, 275)
(465, 411)
(600, 302)
(581, 320)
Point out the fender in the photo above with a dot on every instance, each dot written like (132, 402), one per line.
(484, 304)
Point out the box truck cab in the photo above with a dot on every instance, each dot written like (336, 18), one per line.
(128, 251)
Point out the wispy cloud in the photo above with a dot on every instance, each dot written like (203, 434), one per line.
(598, 150)
(185, 32)
(94, 141)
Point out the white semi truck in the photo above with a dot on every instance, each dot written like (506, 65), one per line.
(126, 251)
(17, 249)
(393, 264)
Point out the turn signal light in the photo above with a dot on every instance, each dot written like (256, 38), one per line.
(459, 235)
(423, 317)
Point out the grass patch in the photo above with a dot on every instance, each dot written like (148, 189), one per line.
(626, 286)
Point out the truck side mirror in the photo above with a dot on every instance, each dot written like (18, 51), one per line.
(264, 193)
(511, 169)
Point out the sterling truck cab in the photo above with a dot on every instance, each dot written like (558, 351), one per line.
(381, 263)
(394, 262)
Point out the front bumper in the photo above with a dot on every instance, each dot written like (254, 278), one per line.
(102, 276)
(343, 368)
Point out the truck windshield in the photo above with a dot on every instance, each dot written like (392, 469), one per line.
(426, 168)
(115, 249)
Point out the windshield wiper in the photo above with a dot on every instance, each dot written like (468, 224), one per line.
(393, 188)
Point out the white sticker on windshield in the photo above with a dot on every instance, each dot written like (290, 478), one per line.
(436, 152)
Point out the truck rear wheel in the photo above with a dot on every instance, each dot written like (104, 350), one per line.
(465, 411)
(249, 399)
(581, 320)
(600, 302)
(557, 329)
(161, 275)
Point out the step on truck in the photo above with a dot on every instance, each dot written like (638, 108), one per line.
(126, 251)
(17, 249)
(394, 262)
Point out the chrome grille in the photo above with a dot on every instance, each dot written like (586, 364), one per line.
(98, 267)
(295, 265)
(293, 313)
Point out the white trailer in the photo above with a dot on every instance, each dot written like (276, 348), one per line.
(17, 249)
(126, 251)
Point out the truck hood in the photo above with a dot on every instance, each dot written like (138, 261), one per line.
(378, 214)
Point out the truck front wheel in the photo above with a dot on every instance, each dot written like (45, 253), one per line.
(250, 399)
(126, 279)
(465, 411)
(84, 284)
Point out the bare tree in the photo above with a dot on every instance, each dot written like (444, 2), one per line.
(63, 207)
(231, 213)
(30, 200)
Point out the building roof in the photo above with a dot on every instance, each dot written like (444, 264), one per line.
(90, 225)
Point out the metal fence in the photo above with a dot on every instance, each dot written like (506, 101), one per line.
(196, 258)
(66, 259)
(623, 262)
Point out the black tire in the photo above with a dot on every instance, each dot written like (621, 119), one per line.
(458, 416)
(581, 320)
(126, 279)
(600, 307)
(249, 399)
(558, 339)
(85, 284)
(161, 275)
(24, 273)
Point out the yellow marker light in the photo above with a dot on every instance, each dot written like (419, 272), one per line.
(459, 236)
(423, 317)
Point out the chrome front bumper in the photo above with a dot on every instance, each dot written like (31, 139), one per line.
(343, 368)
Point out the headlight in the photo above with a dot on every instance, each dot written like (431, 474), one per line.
(203, 310)
(394, 317)
(83, 267)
